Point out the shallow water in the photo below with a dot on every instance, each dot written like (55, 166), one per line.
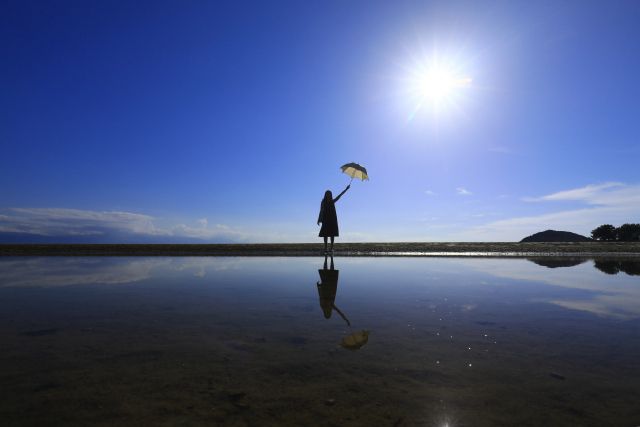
(274, 341)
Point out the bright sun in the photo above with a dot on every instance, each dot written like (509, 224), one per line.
(438, 83)
(435, 84)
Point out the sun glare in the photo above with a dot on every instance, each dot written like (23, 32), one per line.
(436, 85)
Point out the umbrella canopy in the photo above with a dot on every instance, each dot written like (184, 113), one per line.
(356, 340)
(354, 170)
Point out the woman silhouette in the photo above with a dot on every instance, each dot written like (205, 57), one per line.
(327, 289)
(328, 217)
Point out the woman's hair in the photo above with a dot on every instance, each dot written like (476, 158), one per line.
(327, 195)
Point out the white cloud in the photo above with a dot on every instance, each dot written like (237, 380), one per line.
(74, 222)
(594, 194)
(430, 193)
(609, 203)
(461, 191)
(609, 194)
(205, 232)
(70, 223)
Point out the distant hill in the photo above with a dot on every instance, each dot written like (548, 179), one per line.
(555, 236)
(558, 262)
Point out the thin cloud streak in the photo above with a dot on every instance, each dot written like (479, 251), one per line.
(592, 194)
(614, 203)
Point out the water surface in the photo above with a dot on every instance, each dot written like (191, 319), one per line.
(284, 341)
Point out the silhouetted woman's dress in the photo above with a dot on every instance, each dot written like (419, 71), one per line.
(327, 289)
(329, 219)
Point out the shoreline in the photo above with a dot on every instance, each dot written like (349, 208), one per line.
(406, 249)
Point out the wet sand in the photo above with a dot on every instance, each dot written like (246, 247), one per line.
(343, 249)
(244, 342)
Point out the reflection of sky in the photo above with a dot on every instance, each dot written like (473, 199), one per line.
(610, 295)
(580, 287)
(63, 271)
(66, 271)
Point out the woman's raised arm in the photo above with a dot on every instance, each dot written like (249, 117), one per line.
(340, 195)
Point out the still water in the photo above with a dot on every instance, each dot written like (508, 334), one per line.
(291, 341)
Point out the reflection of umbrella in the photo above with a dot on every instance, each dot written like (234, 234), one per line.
(354, 170)
(356, 340)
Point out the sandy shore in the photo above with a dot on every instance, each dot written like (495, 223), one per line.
(341, 249)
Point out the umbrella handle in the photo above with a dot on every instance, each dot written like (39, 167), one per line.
(341, 315)
(351, 181)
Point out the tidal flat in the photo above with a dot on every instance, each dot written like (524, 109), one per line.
(246, 341)
(595, 248)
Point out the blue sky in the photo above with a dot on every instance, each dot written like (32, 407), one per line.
(204, 121)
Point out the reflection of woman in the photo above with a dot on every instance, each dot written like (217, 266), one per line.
(327, 289)
(329, 218)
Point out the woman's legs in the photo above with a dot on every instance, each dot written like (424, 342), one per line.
(325, 243)
(331, 244)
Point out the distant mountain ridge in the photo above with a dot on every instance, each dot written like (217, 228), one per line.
(555, 236)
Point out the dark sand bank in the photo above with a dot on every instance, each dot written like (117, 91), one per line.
(342, 249)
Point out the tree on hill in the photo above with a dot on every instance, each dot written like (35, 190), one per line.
(624, 233)
(605, 232)
(629, 232)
